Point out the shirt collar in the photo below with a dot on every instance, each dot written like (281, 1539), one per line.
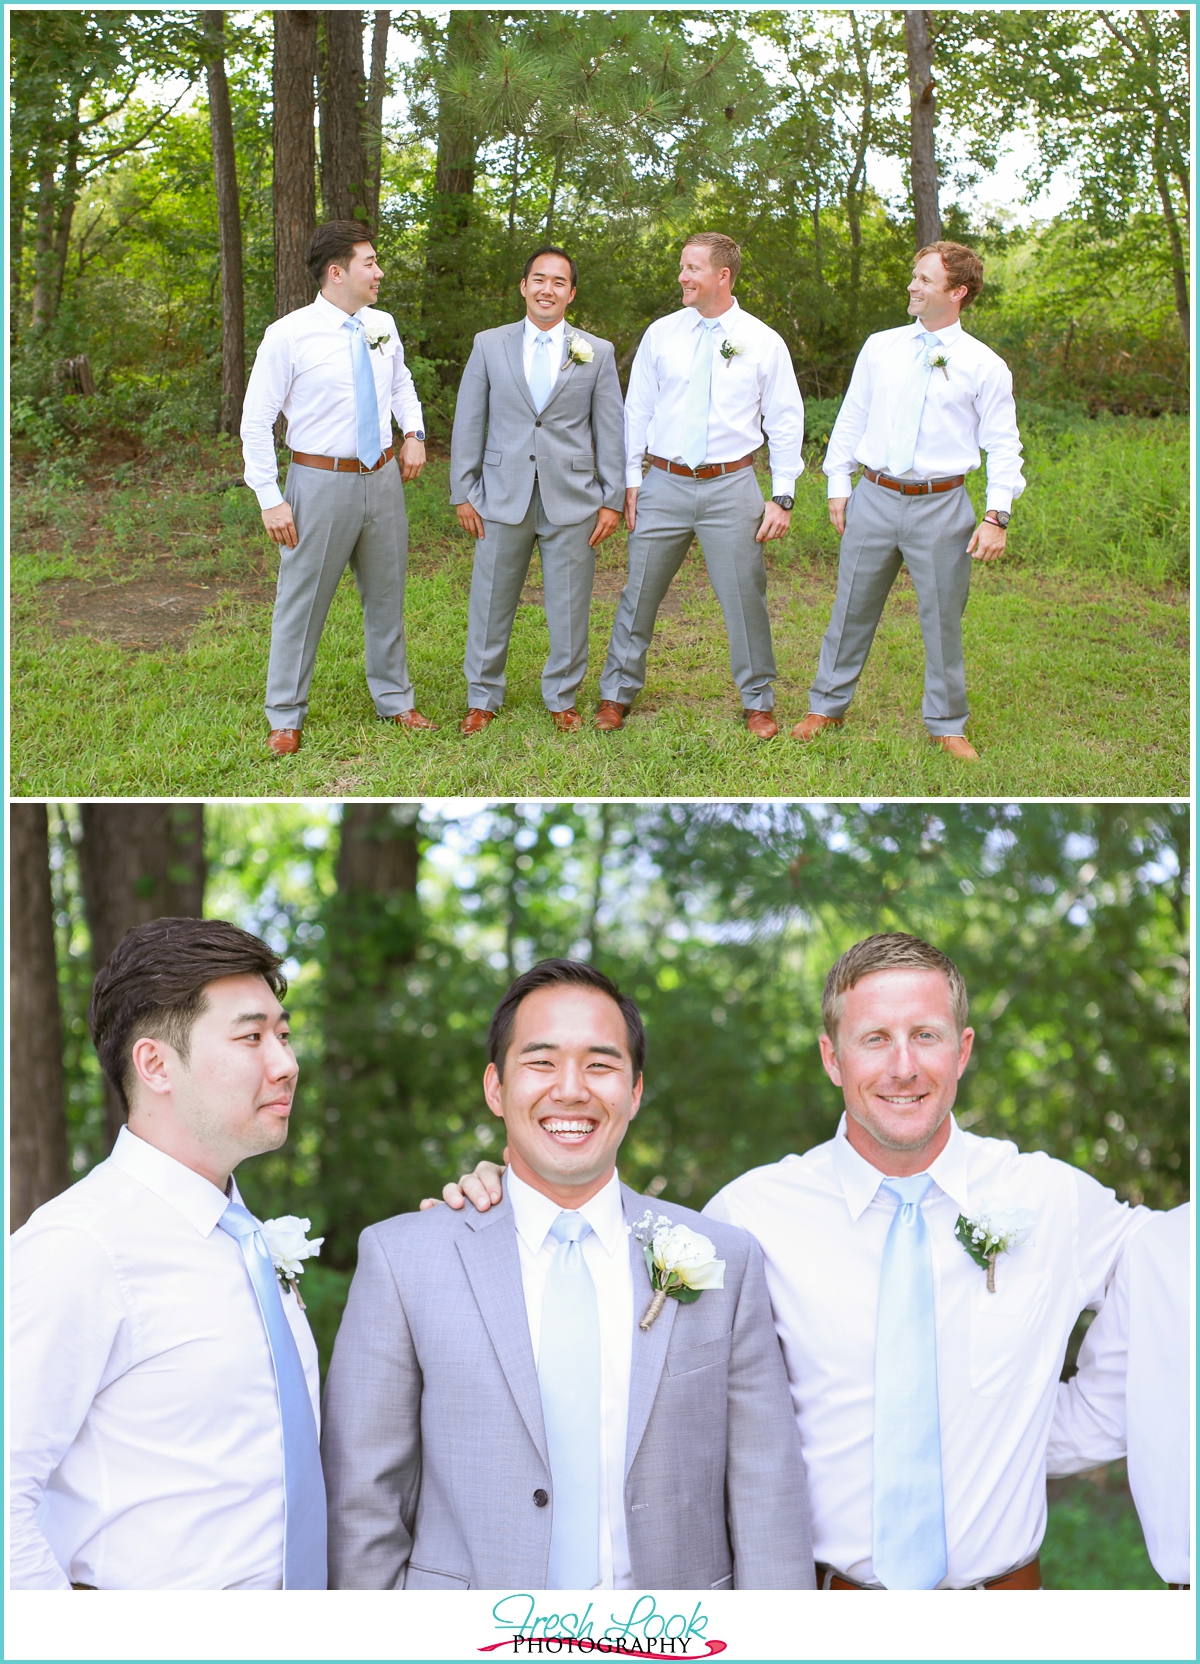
(725, 320)
(200, 1202)
(950, 333)
(860, 1181)
(533, 1213)
(556, 334)
(332, 316)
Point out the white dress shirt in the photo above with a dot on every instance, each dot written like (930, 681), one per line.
(144, 1432)
(968, 406)
(554, 351)
(1132, 1394)
(606, 1252)
(822, 1222)
(303, 368)
(753, 390)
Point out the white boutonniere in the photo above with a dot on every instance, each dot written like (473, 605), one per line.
(681, 1263)
(579, 351)
(937, 358)
(376, 344)
(730, 349)
(993, 1231)
(288, 1246)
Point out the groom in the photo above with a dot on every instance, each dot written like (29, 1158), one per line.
(498, 1416)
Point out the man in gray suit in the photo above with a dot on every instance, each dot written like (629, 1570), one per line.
(506, 1407)
(536, 454)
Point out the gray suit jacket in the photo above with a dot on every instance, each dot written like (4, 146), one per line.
(433, 1438)
(576, 445)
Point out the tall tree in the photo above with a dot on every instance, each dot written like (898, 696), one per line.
(343, 100)
(229, 223)
(138, 861)
(293, 84)
(37, 1101)
(918, 39)
(373, 127)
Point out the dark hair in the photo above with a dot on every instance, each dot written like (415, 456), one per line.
(333, 244)
(551, 973)
(154, 982)
(891, 951)
(552, 248)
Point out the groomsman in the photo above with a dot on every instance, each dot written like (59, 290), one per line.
(705, 383)
(536, 456)
(336, 370)
(922, 401)
(163, 1389)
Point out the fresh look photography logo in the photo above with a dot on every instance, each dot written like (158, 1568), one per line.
(644, 1632)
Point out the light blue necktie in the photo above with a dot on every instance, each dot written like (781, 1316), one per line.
(304, 1562)
(694, 442)
(908, 1543)
(539, 371)
(902, 445)
(366, 401)
(569, 1378)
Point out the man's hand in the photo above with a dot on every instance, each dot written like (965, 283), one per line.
(412, 459)
(775, 523)
(607, 521)
(988, 542)
(631, 492)
(281, 528)
(837, 514)
(469, 520)
(482, 1187)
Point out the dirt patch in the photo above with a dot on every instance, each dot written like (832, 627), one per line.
(145, 613)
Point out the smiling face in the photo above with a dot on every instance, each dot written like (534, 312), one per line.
(547, 290)
(232, 1096)
(930, 296)
(898, 1058)
(704, 286)
(568, 1092)
(355, 284)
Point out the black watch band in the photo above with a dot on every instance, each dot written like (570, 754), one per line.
(998, 517)
(786, 503)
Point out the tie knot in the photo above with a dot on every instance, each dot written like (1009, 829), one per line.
(353, 323)
(238, 1221)
(543, 338)
(570, 1227)
(910, 1190)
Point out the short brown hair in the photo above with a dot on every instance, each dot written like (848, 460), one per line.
(722, 251)
(892, 951)
(551, 973)
(963, 266)
(333, 244)
(154, 981)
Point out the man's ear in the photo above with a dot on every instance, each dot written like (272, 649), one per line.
(637, 1097)
(829, 1059)
(153, 1063)
(491, 1090)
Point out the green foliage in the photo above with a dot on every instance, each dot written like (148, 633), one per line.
(1094, 1538)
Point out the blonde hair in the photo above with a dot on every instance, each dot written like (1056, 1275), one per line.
(892, 951)
(722, 251)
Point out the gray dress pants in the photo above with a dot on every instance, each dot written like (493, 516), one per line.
(929, 535)
(341, 519)
(502, 559)
(724, 513)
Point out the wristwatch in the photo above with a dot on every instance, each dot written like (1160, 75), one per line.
(416, 433)
(998, 517)
(787, 504)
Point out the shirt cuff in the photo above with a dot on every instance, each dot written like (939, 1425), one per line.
(633, 477)
(1000, 498)
(783, 485)
(840, 485)
(269, 496)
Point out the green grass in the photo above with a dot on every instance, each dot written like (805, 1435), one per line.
(1094, 1538)
(1077, 653)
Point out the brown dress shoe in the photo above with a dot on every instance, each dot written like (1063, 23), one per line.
(283, 741)
(956, 745)
(413, 719)
(475, 719)
(610, 714)
(567, 722)
(813, 724)
(762, 724)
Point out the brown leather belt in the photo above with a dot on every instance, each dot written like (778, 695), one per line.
(915, 488)
(707, 471)
(341, 464)
(1028, 1576)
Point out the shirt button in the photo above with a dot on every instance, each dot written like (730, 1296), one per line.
(540, 1498)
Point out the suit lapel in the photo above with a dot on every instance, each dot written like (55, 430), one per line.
(650, 1345)
(513, 346)
(564, 374)
(492, 1262)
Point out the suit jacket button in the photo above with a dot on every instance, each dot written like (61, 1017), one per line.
(533, 458)
(540, 1498)
(537, 424)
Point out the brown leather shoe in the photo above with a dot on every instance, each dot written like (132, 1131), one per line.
(413, 719)
(762, 725)
(814, 724)
(567, 722)
(283, 741)
(956, 745)
(610, 714)
(475, 719)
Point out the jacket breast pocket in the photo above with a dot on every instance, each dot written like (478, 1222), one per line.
(493, 458)
(686, 1360)
(1009, 1334)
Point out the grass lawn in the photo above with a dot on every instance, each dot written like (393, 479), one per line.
(1093, 1535)
(141, 623)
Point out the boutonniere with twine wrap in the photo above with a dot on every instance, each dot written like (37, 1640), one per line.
(992, 1232)
(681, 1263)
(376, 344)
(288, 1246)
(936, 359)
(730, 349)
(579, 351)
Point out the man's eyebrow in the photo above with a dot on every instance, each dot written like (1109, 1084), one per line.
(552, 1046)
(258, 1017)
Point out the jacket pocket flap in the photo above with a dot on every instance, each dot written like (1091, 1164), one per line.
(494, 458)
(584, 465)
(684, 1360)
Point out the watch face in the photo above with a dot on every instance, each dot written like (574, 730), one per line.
(785, 503)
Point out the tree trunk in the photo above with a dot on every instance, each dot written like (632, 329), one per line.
(43, 251)
(37, 1099)
(1178, 261)
(343, 97)
(229, 221)
(445, 303)
(138, 861)
(376, 89)
(293, 82)
(918, 42)
(858, 173)
(68, 194)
